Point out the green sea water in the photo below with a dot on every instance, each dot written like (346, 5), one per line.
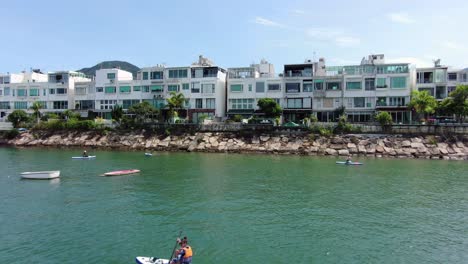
(234, 208)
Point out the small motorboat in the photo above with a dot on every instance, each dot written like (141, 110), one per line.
(82, 157)
(40, 175)
(349, 163)
(121, 172)
(151, 260)
(147, 154)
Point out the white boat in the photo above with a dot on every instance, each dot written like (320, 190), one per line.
(349, 163)
(151, 260)
(121, 172)
(81, 157)
(148, 154)
(40, 175)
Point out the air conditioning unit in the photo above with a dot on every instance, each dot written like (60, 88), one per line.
(112, 81)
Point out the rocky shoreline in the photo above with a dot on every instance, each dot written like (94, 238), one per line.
(369, 145)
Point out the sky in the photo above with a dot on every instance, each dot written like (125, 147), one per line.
(69, 35)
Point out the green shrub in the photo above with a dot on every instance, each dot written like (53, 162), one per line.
(326, 132)
(11, 134)
(237, 118)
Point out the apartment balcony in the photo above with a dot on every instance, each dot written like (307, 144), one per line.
(425, 81)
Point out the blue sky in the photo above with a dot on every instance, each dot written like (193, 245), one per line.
(56, 35)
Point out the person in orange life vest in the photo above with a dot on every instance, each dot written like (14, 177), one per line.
(184, 254)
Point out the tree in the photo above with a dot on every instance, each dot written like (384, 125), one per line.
(385, 119)
(457, 103)
(17, 117)
(117, 113)
(36, 107)
(269, 107)
(143, 111)
(69, 114)
(423, 103)
(175, 102)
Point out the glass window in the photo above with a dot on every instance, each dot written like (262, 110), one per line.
(359, 102)
(452, 76)
(61, 90)
(6, 91)
(136, 88)
(210, 103)
(178, 73)
(241, 103)
(250, 87)
(307, 86)
(1, 92)
(397, 101)
(156, 88)
(4, 105)
(111, 76)
(381, 101)
(353, 85)
(146, 89)
(440, 76)
(22, 92)
(333, 86)
(369, 84)
(208, 88)
(294, 103)
(21, 105)
(125, 89)
(237, 87)
(52, 91)
(293, 87)
(381, 83)
(260, 87)
(60, 105)
(398, 82)
(274, 87)
(198, 103)
(173, 88)
(126, 104)
(185, 86)
(110, 89)
(145, 75)
(156, 75)
(196, 86)
(33, 92)
(318, 85)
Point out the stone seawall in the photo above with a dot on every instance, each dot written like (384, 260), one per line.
(427, 147)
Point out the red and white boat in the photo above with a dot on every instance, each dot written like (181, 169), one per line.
(121, 172)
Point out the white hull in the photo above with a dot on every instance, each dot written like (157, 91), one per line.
(89, 157)
(40, 175)
(151, 260)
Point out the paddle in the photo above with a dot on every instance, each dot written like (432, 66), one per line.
(173, 250)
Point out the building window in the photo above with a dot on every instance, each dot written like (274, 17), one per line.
(22, 92)
(369, 84)
(145, 75)
(111, 76)
(34, 92)
(260, 87)
(440, 76)
(452, 76)
(208, 88)
(1, 92)
(125, 89)
(381, 83)
(98, 89)
(293, 87)
(294, 103)
(61, 90)
(353, 86)
(157, 88)
(274, 87)
(241, 103)
(397, 101)
(80, 90)
(210, 103)
(449, 89)
(307, 86)
(108, 104)
(110, 89)
(198, 103)
(85, 105)
(173, 88)
(44, 92)
(333, 86)
(136, 88)
(196, 87)
(60, 105)
(359, 102)
(178, 73)
(6, 91)
(146, 88)
(398, 82)
(156, 75)
(440, 92)
(21, 105)
(381, 101)
(4, 105)
(185, 86)
(126, 104)
(237, 87)
(318, 85)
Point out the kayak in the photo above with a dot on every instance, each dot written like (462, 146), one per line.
(148, 154)
(81, 157)
(151, 260)
(121, 172)
(349, 163)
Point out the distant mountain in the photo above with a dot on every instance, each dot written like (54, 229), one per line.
(123, 65)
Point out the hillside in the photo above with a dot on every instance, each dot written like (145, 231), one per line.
(123, 65)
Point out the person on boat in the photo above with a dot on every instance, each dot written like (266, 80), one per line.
(184, 254)
(348, 160)
(85, 154)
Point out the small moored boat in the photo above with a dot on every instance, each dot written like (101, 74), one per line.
(121, 172)
(151, 260)
(82, 157)
(40, 175)
(348, 163)
(148, 154)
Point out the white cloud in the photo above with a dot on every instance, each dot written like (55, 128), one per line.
(401, 17)
(332, 35)
(266, 22)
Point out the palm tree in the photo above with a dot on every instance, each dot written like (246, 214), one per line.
(36, 107)
(175, 102)
(423, 103)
